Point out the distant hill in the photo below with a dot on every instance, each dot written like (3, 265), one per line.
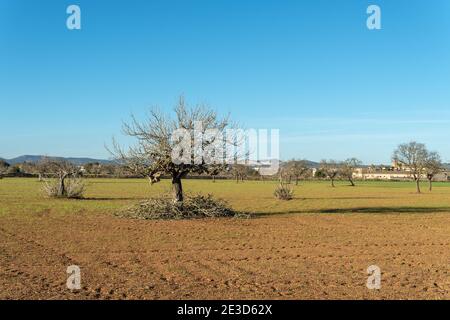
(310, 164)
(34, 159)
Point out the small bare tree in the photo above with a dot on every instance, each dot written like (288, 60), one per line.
(153, 156)
(331, 169)
(297, 169)
(433, 166)
(413, 158)
(348, 168)
(283, 192)
(62, 170)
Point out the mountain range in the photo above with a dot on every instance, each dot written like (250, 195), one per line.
(37, 158)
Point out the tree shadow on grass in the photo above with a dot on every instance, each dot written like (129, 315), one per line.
(369, 210)
(386, 210)
(346, 198)
(111, 198)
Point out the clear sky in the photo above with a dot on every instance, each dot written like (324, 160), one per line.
(310, 68)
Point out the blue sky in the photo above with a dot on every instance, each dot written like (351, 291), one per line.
(310, 68)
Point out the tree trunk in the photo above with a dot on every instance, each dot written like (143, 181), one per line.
(62, 186)
(430, 181)
(332, 182)
(177, 189)
(214, 178)
(351, 182)
(296, 181)
(418, 185)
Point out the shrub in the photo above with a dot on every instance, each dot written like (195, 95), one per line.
(197, 206)
(74, 188)
(284, 192)
(50, 188)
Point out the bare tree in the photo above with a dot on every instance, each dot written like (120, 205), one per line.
(331, 169)
(297, 169)
(412, 157)
(152, 157)
(61, 170)
(348, 168)
(33, 168)
(239, 172)
(93, 168)
(433, 166)
(283, 175)
(214, 171)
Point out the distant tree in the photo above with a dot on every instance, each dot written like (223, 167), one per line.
(331, 169)
(297, 169)
(214, 171)
(319, 174)
(121, 170)
(14, 169)
(412, 157)
(3, 168)
(110, 170)
(239, 172)
(32, 168)
(433, 166)
(283, 175)
(93, 168)
(152, 157)
(28, 167)
(40, 168)
(61, 170)
(348, 168)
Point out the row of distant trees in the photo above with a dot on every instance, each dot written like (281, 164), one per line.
(418, 160)
(41, 168)
(412, 157)
(49, 167)
(331, 169)
(152, 156)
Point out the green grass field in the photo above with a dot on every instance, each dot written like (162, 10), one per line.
(24, 196)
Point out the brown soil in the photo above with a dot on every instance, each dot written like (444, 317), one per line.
(321, 256)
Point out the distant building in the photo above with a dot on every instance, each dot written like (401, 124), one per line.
(397, 174)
